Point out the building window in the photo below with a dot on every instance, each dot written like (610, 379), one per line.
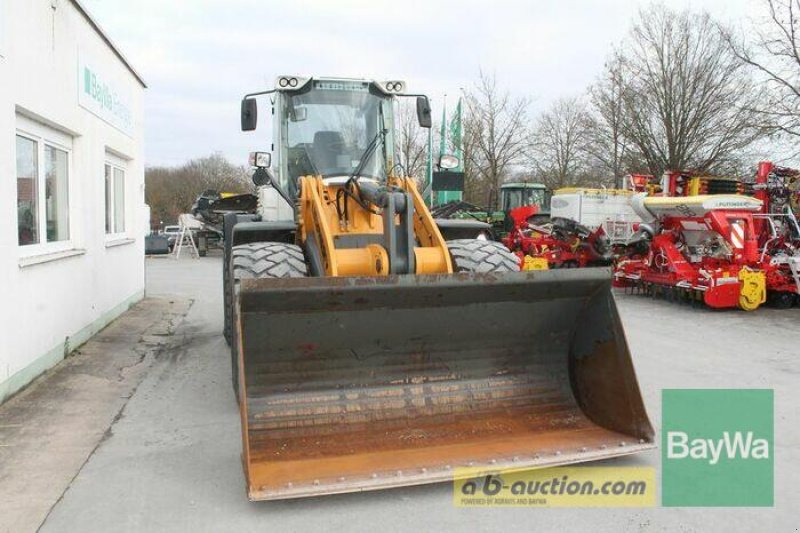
(56, 164)
(27, 191)
(42, 191)
(115, 199)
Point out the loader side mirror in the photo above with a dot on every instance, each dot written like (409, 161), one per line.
(249, 114)
(424, 112)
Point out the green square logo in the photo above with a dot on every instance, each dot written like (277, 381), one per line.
(717, 448)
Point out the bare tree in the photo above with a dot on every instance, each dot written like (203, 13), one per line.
(772, 51)
(606, 143)
(494, 138)
(558, 143)
(170, 191)
(411, 141)
(475, 189)
(217, 173)
(688, 100)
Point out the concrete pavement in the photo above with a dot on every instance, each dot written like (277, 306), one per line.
(49, 430)
(171, 461)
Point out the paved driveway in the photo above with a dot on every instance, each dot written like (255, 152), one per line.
(171, 461)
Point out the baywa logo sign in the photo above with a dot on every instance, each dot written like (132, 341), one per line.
(717, 447)
(104, 98)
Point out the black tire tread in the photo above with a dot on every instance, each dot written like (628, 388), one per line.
(268, 260)
(476, 255)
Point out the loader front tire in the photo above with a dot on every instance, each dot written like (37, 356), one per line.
(255, 261)
(476, 255)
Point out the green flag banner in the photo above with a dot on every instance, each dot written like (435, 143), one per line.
(456, 137)
(443, 139)
(429, 169)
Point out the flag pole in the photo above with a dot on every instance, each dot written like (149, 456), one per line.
(429, 170)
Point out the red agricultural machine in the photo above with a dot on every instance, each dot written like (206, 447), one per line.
(561, 243)
(725, 250)
(778, 187)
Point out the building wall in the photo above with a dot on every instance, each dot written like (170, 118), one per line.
(56, 295)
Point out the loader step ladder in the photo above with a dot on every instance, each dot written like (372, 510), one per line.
(186, 238)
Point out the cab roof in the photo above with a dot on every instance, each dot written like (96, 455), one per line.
(521, 185)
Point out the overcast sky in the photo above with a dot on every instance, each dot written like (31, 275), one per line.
(200, 56)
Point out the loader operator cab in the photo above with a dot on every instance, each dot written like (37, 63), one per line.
(332, 128)
(328, 129)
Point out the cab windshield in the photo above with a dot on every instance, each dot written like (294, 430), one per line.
(329, 127)
(513, 198)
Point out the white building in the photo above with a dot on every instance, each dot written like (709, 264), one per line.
(72, 212)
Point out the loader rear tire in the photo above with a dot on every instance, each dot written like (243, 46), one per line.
(476, 255)
(255, 261)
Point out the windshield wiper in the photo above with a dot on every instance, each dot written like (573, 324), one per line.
(379, 139)
(380, 135)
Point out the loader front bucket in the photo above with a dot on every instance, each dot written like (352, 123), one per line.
(365, 383)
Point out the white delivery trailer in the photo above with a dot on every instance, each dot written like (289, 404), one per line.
(607, 208)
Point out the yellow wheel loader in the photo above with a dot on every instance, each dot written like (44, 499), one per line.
(373, 346)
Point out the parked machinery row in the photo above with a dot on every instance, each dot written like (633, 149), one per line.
(512, 196)
(724, 250)
(586, 227)
(560, 243)
(210, 209)
(723, 242)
